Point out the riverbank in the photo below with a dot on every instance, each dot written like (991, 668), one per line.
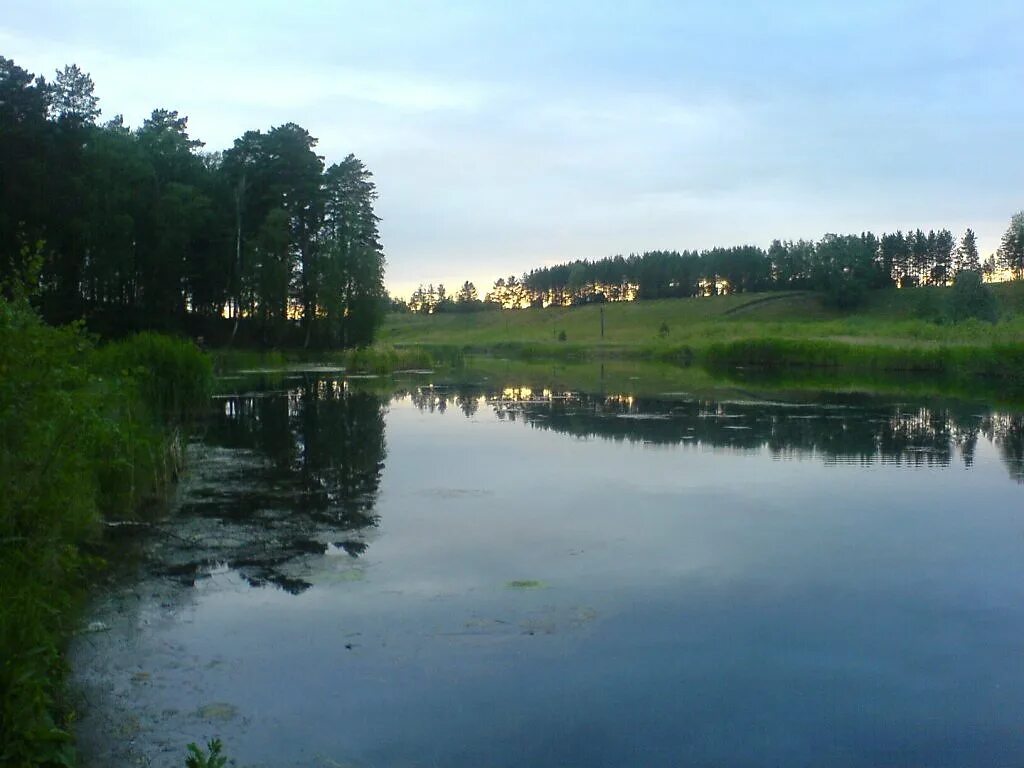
(89, 435)
(894, 332)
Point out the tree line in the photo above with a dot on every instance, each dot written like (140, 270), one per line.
(141, 228)
(842, 267)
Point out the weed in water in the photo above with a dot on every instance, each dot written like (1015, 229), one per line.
(211, 758)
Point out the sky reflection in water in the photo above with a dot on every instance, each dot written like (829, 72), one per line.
(836, 582)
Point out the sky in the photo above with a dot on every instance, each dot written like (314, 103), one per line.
(507, 135)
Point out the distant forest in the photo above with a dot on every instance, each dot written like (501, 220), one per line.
(842, 267)
(131, 229)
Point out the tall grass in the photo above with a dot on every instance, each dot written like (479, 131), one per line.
(83, 433)
(383, 359)
(173, 377)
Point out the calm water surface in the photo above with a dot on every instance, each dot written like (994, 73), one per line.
(481, 577)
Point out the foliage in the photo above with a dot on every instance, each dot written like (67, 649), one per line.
(842, 267)
(971, 298)
(930, 305)
(211, 758)
(967, 254)
(385, 359)
(1011, 248)
(173, 375)
(75, 442)
(139, 229)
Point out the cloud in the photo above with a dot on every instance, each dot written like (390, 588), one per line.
(505, 137)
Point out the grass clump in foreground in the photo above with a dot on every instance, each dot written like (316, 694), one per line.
(84, 433)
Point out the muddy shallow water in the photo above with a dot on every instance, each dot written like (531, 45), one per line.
(504, 577)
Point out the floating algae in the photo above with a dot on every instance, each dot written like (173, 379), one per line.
(525, 584)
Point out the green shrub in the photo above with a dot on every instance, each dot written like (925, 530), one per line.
(970, 298)
(73, 444)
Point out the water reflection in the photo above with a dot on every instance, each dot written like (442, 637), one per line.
(836, 427)
(561, 579)
(278, 476)
(284, 476)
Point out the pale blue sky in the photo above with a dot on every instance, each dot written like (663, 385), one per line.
(504, 136)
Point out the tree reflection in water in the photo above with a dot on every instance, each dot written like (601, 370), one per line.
(282, 477)
(834, 427)
(279, 476)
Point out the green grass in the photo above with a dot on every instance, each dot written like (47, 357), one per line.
(907, 323)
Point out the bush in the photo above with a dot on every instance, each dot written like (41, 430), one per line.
(971, 298)
(73, 445)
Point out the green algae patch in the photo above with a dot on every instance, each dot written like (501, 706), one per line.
(525, 584)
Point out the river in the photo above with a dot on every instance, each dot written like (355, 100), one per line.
(353, 574)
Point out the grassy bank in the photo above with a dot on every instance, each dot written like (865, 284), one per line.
(896, 330)
(87, 434)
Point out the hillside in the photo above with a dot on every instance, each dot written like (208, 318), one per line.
(888, 317)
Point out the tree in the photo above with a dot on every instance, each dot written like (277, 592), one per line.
(352, 256)
(895, 257)
(1011, 249)
(133, 229)
(940, 256)
(72, 96)
(467, 293)
(988, 269)
(466, 299)
(25, 140)
(967, 254)
(843, 269)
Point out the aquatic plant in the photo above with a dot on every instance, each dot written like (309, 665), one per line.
(211, 758)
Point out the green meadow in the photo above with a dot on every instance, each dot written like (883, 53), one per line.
(894, 330)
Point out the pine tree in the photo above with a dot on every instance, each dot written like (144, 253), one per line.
(1011, 249)
(967, 254)
(72, 96)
